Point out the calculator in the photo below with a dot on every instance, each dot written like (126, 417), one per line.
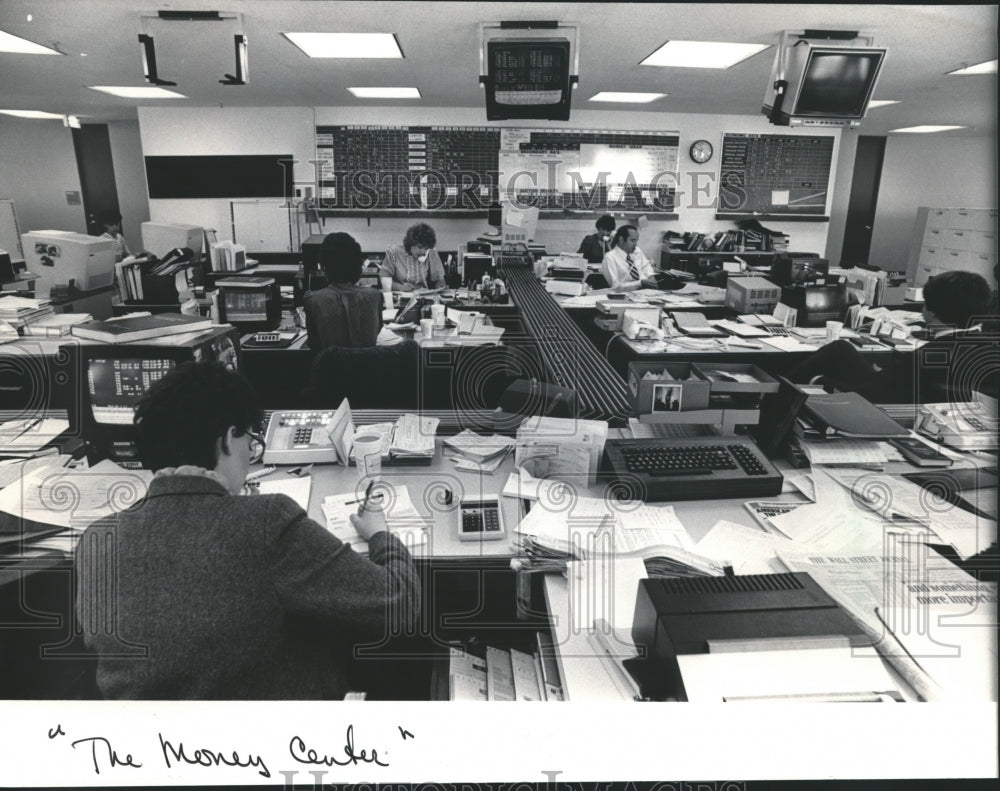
(479, 519)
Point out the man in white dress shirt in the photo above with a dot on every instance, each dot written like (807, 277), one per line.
(625, 267)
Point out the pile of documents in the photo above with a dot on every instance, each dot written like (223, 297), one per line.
(56, 324)
(477, 453)
(19, 311)
(410, 437)
(491, 673)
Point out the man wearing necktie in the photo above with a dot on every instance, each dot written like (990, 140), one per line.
(625, 267)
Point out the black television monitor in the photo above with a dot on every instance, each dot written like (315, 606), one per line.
(528, 78)
(115, 376)
(790, 270)
(253, 304)
(816, 305)
(824, 81)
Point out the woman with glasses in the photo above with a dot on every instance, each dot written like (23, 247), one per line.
(218, 596)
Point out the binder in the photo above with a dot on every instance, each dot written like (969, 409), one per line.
(849, 415)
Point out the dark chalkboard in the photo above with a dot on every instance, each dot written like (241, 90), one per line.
(267, 176)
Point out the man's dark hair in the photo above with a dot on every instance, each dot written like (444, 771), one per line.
(605, 223)
(109, 217)
(957, 297)
(340, 255)
(183, 414)
(421, 234)
(622, 233)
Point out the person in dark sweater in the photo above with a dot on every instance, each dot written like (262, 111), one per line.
(197, 593)
(594, 246)
(958, 312)
(344, 313)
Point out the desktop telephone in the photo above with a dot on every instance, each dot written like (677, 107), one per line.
(299, 437)
(971, 425)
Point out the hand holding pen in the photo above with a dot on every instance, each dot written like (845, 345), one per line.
(370, 518)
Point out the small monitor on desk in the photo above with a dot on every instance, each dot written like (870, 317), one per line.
(519, 225)
(816, 305)
(113, 377)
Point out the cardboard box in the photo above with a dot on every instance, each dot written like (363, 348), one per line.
(681, 390)
(718, 384)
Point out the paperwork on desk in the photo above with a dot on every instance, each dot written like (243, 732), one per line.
(478, 453)
(74, 498)
(298, 488)
(401, 518)
(747, 549)
(27, 437)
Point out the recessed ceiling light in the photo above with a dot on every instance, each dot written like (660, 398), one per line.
(141, 92)
(702, 54)
(625, 96)
(925, 128)
(881, 103)
(32, 114)
(346, 45)
(385, 93)
(12, 43)
(986, 67)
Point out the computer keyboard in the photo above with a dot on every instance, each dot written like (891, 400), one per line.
(692, 469)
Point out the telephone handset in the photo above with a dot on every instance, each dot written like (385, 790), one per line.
(970, 424)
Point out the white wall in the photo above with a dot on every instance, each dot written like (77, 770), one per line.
(927, 170)
(204, 131)
(130, 180)
(37, 168)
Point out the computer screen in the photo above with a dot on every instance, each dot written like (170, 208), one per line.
(116, 385)
(837, 83)
(528, 78)
(245, 305)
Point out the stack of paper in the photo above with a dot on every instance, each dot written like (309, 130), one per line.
(401, 518)
(478, 453)
(22, 310)
(56, 324)
(27, 437)
(410, 437)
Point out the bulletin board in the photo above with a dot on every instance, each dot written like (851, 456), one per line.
(464, 169)
(783, 176)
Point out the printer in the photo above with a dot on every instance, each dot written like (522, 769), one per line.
(718, 632)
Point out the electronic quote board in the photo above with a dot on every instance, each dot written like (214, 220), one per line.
(467, 168)
(784, 175)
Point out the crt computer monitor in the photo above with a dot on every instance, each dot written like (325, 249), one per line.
(518, 225)
(113, 377)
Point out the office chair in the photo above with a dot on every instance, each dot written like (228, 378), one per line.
(375, 377)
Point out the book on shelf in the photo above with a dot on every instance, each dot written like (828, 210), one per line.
(138, 328)
(56, 324)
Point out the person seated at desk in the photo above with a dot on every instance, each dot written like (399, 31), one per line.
(195, 593)
(596, 245)
(626, 267)
(343, 313)
(112, 223)
(955, 303)
(414, 264)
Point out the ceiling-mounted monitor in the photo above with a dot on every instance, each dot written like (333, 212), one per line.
(821, 84)
(528, 70)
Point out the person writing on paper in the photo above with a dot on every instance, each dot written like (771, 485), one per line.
(197, 593)
(343, 313)
(414, 264)
(626, 268)
(596, 245)
(955, 305)
(112, 223)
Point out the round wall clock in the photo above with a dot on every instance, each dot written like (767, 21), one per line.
(701, 151)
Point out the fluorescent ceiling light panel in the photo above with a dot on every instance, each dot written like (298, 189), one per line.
(32, 114)
(12, 43)
(987, 67)
(625, 96)
(926, 128)
(702, 54)
(881, 103)
(346, 45)
(385, 93)
(140, 92)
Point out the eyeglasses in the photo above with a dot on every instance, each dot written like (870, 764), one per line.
(257, 446)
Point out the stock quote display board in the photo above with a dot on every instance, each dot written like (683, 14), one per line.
(461, 168)
(777, 175)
